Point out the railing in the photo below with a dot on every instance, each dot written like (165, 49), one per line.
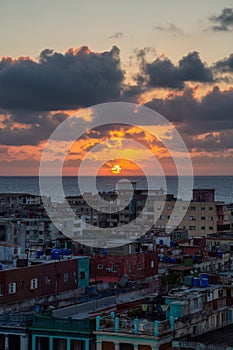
(16, 319)
(44, 322)
(136, 326)
(199, 346)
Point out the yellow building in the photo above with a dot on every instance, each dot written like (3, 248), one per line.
(202, 216)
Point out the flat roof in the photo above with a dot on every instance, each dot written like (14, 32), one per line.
(223, 336)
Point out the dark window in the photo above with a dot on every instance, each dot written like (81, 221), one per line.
(48, 280)
(82, 275)
(1, 290)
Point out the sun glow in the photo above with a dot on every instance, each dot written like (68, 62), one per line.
(116, 169)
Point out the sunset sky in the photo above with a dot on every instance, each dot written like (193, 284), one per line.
(58, 57)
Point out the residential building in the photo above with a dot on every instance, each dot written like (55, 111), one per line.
(202, 216)
(52, 333)
(39, 278)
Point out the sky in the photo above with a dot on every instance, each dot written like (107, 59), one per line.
(60, 57)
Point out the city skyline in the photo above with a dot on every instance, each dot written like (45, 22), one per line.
(59, 57)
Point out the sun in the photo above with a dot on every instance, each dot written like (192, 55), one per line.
(116, 169)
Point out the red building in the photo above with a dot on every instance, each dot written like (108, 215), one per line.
(43, 279)
(135, 266)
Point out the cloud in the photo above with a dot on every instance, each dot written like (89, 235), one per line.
(117, 35)
(211, 142)
(225, 65)
(29, 130)
(224, 21)
(211, 113)
(162, 73)
(171, 27)
(131, 93)
(77, 78)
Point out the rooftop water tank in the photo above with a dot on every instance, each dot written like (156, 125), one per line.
(196, 282)
(204, 282)
(39, 253)
(55, 254)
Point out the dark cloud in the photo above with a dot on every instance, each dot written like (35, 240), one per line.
(210, 142)
(192, 116)
(78, 78)
(117, 35)
(224, 21)
(162, 73)
(131, 93)
(171, 27)
(39, 129)
(225, 65)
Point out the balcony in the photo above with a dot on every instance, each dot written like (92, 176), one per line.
(219, 303)
(136, 326)
(19, 320)
(48, 323)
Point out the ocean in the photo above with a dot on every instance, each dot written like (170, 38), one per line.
(223, 185)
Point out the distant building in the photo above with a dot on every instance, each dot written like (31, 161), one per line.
(134, 266)
(42, 278)
(202, 216)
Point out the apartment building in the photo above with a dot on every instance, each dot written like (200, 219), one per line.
(202, 216)
(42, 278)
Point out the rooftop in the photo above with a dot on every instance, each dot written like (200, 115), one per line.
(222, 336)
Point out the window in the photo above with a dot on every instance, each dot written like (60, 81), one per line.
(1, 290)
(34, 283)
(192, 218)
(22, 284)
(100, 267)
(152, 264)
(114, 268)
(202, 217)
(211, 218)
(66, 277)
(82, 275)
(139, 266)
(192, 228)
(195, 303)
(192, 208)
(211, 228)
(210, 208)
(48, 280)
(202, 227)
(12, 288)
